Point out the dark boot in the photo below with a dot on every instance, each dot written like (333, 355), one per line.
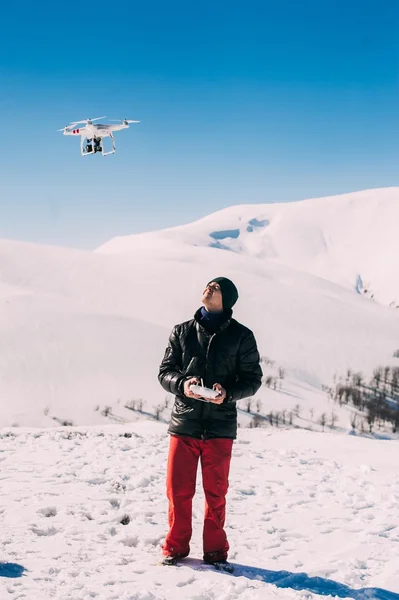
(222, 565)
(169, 561)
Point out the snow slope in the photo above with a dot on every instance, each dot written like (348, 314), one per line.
(83, 515)
(82, 331)
(351, 239)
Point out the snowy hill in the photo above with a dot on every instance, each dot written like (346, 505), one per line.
(82, 333)
(350, 239)
(84, 513)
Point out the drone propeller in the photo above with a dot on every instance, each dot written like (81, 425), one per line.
(124, 120)
(87, 120)
(63, 129)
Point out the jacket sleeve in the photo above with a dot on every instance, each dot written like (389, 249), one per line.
(170, 375)
(249, 372)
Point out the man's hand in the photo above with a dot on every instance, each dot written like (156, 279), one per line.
(187, 390)
(221, 396)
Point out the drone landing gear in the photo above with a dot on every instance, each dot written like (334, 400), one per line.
(91, 145)
(86, 146)
(95, 144)
(113, 145)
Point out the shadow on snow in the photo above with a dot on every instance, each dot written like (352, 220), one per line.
(11, 570)
(302, 582)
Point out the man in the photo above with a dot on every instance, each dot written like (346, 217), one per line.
(215, 350)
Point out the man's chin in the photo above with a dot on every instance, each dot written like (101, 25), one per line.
(207, 306)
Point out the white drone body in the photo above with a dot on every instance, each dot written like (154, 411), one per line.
(92, 134)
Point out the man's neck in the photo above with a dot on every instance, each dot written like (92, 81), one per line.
(214, 311)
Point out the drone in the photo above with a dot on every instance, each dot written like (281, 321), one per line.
(92, 134)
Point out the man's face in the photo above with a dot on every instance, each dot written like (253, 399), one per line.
(212, 297)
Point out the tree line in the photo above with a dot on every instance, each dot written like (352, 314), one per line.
(376, 398)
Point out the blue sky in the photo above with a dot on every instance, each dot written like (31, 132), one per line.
(239, 102)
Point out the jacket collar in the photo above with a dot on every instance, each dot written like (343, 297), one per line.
(227, 314)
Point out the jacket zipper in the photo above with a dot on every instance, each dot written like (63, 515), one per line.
(203, 436)
(206, 357)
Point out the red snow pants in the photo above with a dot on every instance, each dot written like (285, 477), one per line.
(215, 455)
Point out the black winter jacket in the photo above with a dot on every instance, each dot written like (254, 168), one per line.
(229, 357)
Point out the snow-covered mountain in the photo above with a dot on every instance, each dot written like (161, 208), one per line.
(81, 331)
(352, 239)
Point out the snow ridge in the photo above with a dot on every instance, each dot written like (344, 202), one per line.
(335, 237)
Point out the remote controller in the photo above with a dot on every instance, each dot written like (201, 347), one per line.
(204, 391)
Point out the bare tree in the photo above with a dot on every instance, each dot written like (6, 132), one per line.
(131, 404)
(395, 421)
(256, 421)
(353, 421)
(348, 376)
(377, 377)
(370, 418)
(357, 379)
(267, 361)
(394, 386)
(322, 420)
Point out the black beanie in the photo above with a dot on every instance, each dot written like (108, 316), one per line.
(229, 291)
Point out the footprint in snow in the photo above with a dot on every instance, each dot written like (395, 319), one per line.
(131, 541)
(43, 531)
(188, 581)
(114, 503)
(118, 486)
(247, 491)
(48, 511)
(125, 520)
(96, 481)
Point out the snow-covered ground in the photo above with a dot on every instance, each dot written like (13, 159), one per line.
(83, 514)
(82, 331)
